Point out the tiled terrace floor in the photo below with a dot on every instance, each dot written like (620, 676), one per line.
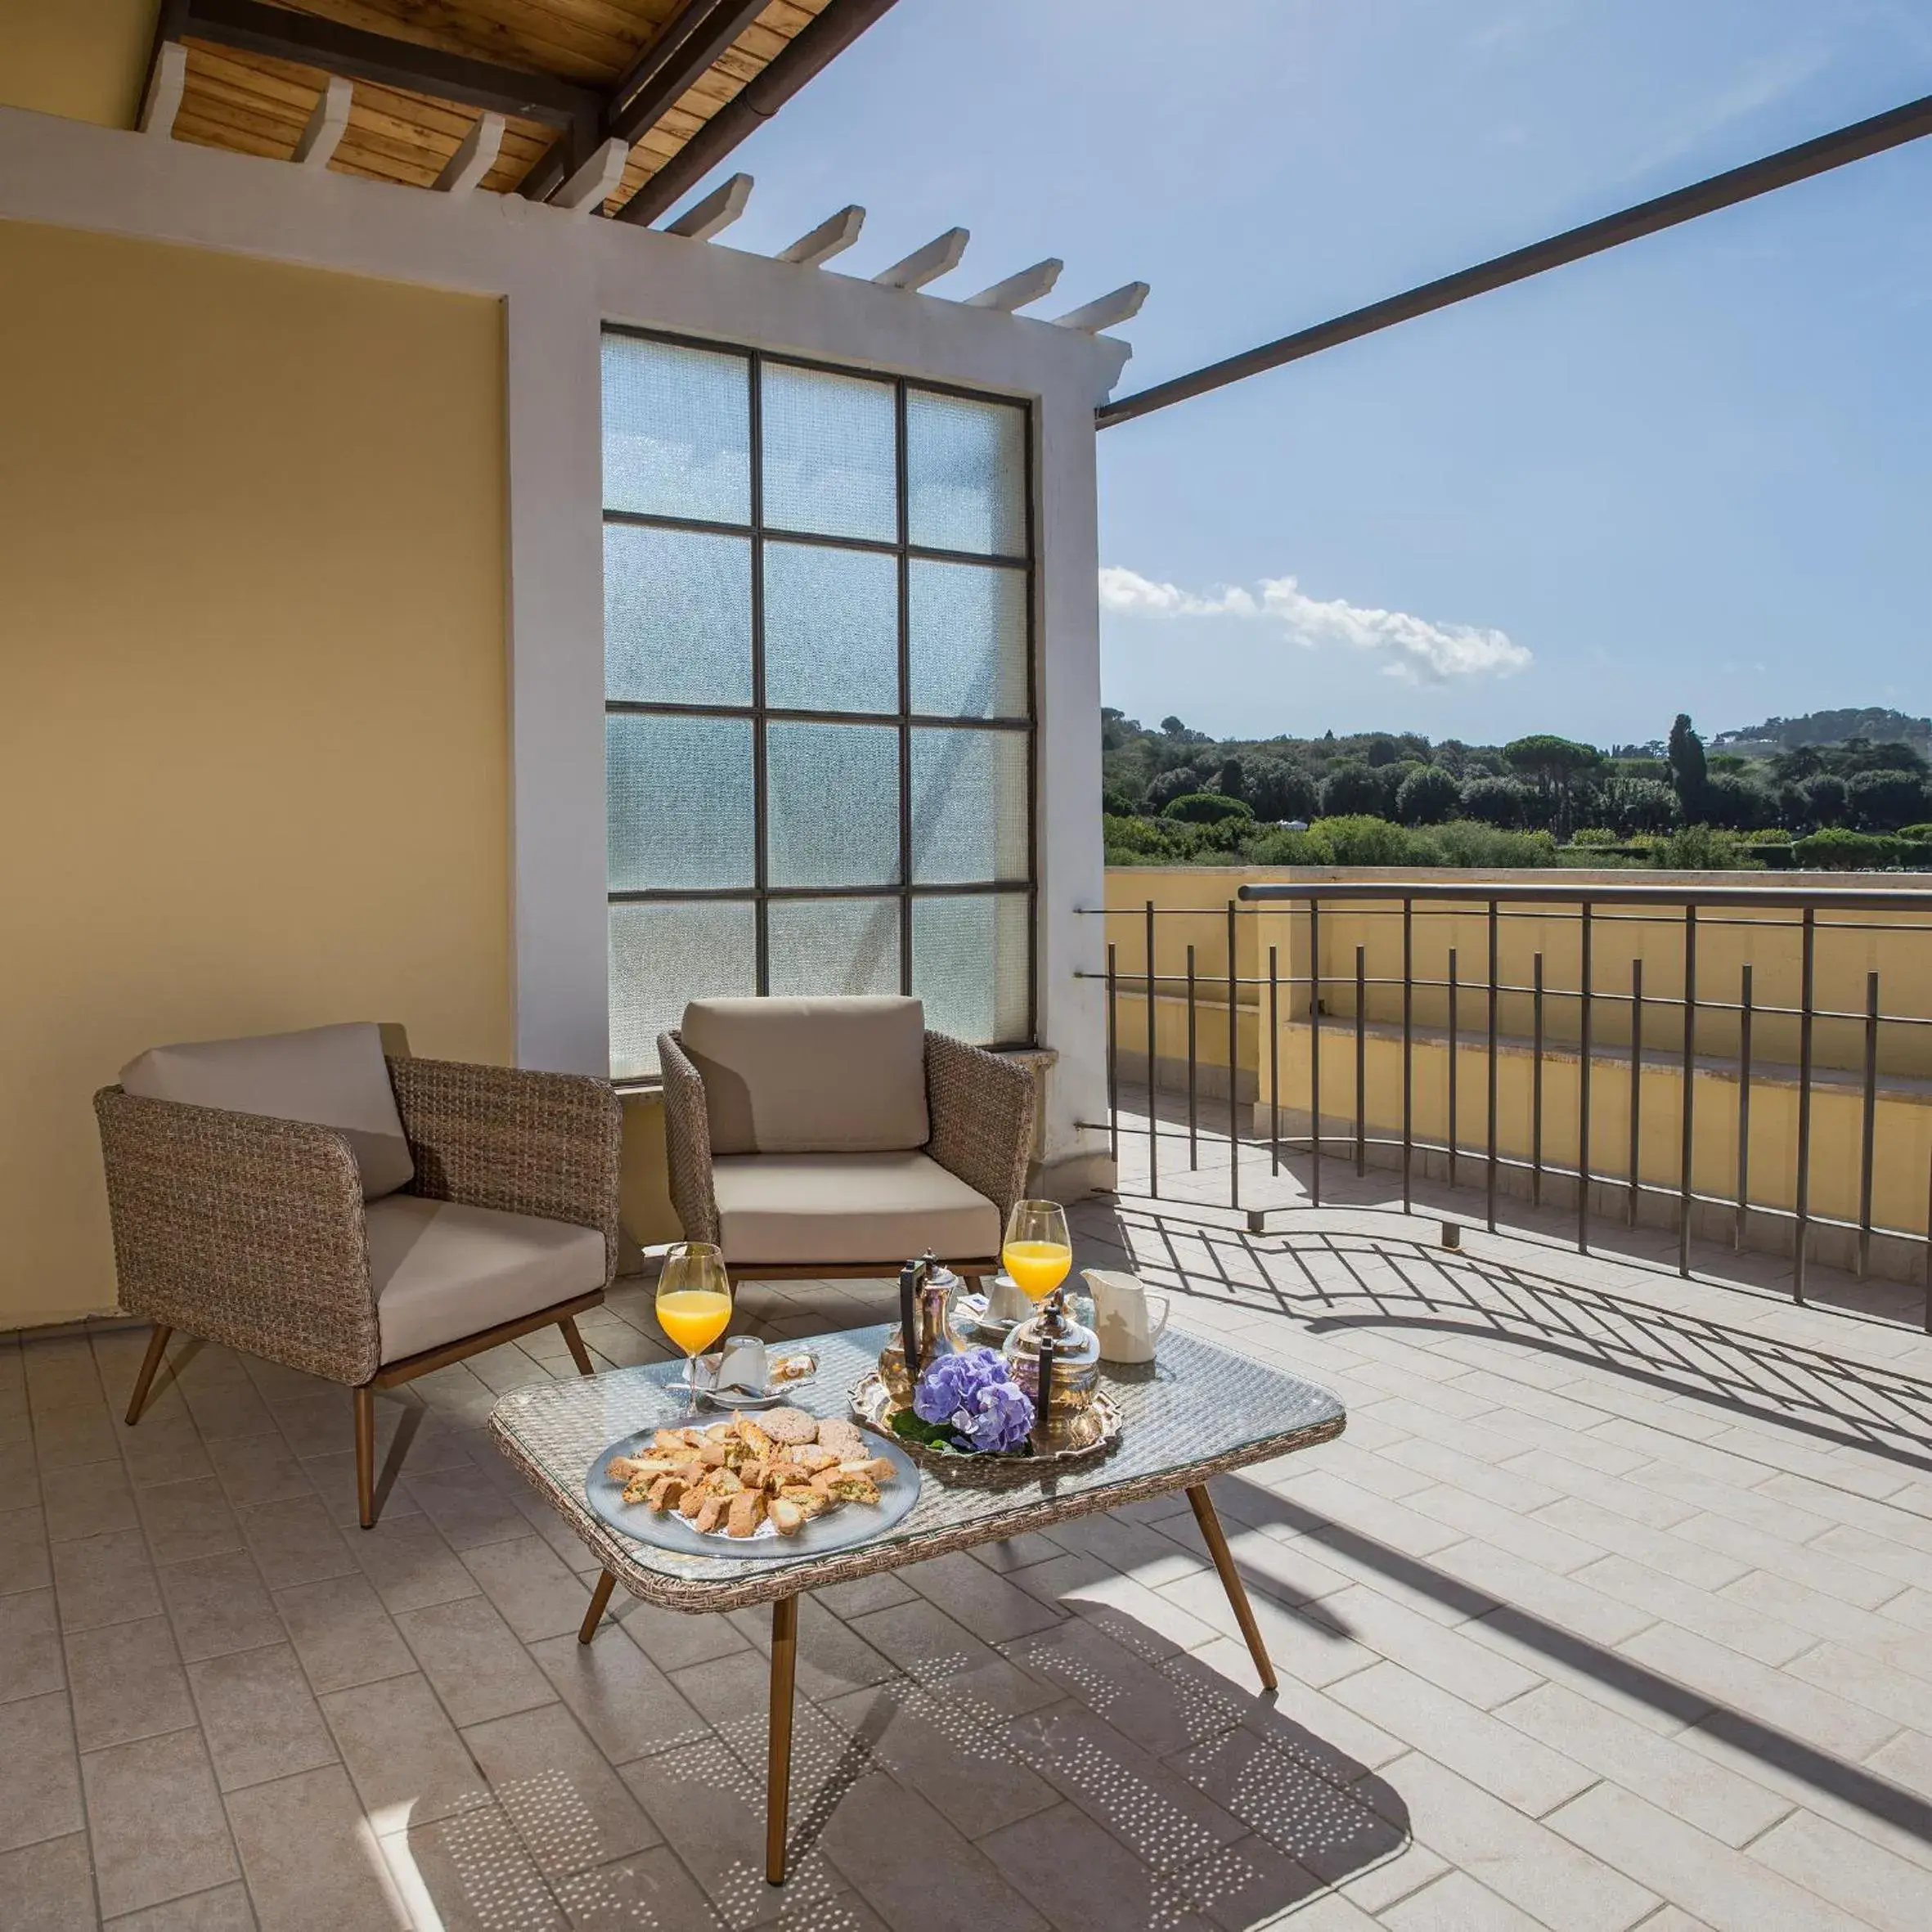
(1613, 1608)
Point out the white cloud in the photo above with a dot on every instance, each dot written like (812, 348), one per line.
(1414, 647)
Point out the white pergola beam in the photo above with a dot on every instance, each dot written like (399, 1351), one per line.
(1017, 291)
(1103, 312)
(939, 256)
(592, 184)
(164, 89)
(716, 212)
(830, 238)
(325, 127)
(475, 158)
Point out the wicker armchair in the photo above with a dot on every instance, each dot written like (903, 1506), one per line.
(253, 1232)
(832, 1137)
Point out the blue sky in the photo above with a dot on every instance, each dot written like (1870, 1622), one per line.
(1693, 474)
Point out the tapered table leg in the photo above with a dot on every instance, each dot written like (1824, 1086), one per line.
(594, 1615)
(1223, 1561)
(157, 1347)
(778, 1769)
(579, 1353)
(365, 1455)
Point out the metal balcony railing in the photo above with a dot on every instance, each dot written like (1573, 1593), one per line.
(1315, 1004)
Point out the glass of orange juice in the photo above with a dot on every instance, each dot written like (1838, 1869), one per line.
(1037, 1252)
(694, 1300)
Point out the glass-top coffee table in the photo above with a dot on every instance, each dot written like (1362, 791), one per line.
(1196, 1412)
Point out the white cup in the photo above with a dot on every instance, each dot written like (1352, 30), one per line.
(1127, 1330)
(1006, 1301)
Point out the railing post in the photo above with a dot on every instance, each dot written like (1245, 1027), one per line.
(1869, 1148)
(1536, 1083)
(1491, 1108)
(1361, 1061)
(1153, 1111)
(1686, 1171)
(1453, 1135)
(1315, 1052)
(1274, 1060)
(1233, 1070)
(1113, 1056)
(1583, 1088)
(1807, 992)
(1745, 1015)
(1636, 1086)
(1408, 1053)
(1194, 1130)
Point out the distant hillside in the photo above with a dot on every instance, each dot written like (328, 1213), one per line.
(1826, 727)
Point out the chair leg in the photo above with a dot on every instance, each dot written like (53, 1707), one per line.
(157, 1347)
(579, 1353)
(366, 1456)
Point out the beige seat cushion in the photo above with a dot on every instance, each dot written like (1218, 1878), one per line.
(811, 1076)
(442, 1271)
(842, 1208)
(334, 1077)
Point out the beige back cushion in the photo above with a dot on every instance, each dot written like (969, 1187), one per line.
(811, 1076)
(332, 1075)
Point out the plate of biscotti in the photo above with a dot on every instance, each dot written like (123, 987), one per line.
(778, 1484)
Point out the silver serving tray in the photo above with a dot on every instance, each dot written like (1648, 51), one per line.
(872, 1409)
(841, 1528)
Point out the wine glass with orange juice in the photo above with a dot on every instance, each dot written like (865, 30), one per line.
(1037, 1252)
(694, 1300)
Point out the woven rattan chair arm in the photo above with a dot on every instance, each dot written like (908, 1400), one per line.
(687, 1142)
(241, 1230)
(982, 1112)
(502, 1137)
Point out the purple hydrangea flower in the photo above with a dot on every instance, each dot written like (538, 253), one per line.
(973, 1394)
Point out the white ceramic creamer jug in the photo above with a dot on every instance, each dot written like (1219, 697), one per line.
(1122, 1312)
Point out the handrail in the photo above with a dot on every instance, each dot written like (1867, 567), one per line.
(1513, 893)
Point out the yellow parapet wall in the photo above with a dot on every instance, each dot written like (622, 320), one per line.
(253, 747)
(1191, 909)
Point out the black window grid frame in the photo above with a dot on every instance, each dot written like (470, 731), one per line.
(762, 893)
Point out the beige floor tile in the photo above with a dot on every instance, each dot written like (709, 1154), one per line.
(672, 1639)
(1455, 1902)
(1502, 1760)
(218, 1604)
(317, 1425)
(259, 1717)
(1710, 1613)
(155, 1822)
(48, 1887)
(342, 1633)
(472, 1657)
(1447, 1658)
(921, 1640)
(1854, 1875)
(470, 1873)
(31, 1659)
(225, 1909)
(86, 1500)
(312, 1861)
(72, 1438)
(1162, 1712)
(1728, 1890)
(227, 1409)
(293, 1543)
(24, 1563)
(572, 1811)
(534, 1590)
(995, 1610)
(832, 1657)
(258, 1469)
(408, 1763)
(39, 1772)
(104, 1579)
(126, 1681)
(628, 1706)
(1847, 1672)
(188, 1519)
(1062, 1863)
(468, 1513)
(951, 1886)
(410, 1565)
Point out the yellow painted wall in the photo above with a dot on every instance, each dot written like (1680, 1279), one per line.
(82, 59)
(253, 743)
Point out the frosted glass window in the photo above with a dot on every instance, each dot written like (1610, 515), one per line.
(665, 952)
(966, 474)
(678, 791)
(968, 806)
(967, 624)
(676, 431)
(831, 629)
(831, 464)
(677, 616)
(834, 945)
(972, 967)
(833, 804)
